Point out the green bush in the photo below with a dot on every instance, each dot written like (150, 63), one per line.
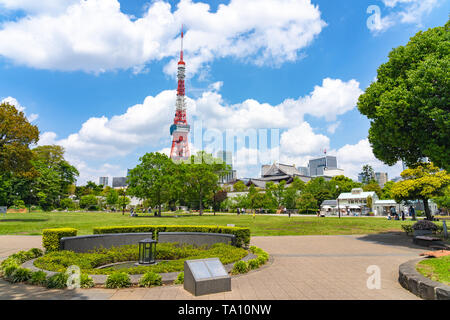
(20, 275)
(52, 237)
(408, 229)
(59, 261)
(118, 280)
(36, 253)
(179, 279)
(242, 235)
(240, 267)
(86, 281)
(8, 270)
(150, 279)
(57, 281)
(253, 264)
(38, 278)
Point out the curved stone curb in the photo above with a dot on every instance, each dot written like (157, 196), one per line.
(99, 279)
(427, 289)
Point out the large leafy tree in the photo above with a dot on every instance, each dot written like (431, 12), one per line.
(201, 179)
(152, 179)
(16, 136)
(423, 182)
(319, 189)
(408, 104)
(367, 174)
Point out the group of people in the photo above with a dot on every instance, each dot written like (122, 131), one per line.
(393, 215)
(240, 210)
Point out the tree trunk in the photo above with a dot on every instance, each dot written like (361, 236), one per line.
(159, 210)
(427, 209)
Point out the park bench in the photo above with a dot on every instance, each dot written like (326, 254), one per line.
(428, 241)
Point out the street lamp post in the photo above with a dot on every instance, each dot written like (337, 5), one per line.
(339, 210)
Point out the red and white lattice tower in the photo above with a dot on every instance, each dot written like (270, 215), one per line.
(179, 130)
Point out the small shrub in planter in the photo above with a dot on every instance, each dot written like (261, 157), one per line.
(9, 270)
(38, 278)
(36, 253)
(408, 229)
(86, 281)
(179, 279)
(20, 275)
(424, 225)
(240, 267)
(150, 279)
(253, 264)
(57, 281)
(118, 280)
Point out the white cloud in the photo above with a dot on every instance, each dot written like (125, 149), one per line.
(302, 140)
(351, 158)
(403, 11)
(13, 101)
(36, 7)
(95, 36)
(333, 127)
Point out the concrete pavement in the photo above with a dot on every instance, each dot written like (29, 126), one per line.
(301, 268)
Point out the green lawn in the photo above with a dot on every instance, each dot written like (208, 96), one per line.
(33, 223)
(437, 269)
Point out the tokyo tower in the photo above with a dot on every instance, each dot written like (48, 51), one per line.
(179, 130)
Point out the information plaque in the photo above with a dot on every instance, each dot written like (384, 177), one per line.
(206, 276)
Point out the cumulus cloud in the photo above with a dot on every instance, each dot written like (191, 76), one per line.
(95, 36)
(13, 101)
(402, 11)
(37, 7)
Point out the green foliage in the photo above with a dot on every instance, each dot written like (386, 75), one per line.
(20, 275)
(118, 280)
(367, 174)
(373, 186)
(57, 281)
(9, 269)
(386, 192)
(408, 229)
(38, 278)
(408, 103)
(242, 234)
(239, 186)
(51, 237)
(240, 267)
(150, 279)
(179, 279)
(253, 264)
(424, 181)
(59, 261)
(86, 281)
(67, 203)
(16, 135)
(89, 202)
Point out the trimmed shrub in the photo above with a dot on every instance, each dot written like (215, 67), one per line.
(242, 235)
(38, 278)
(424, 225)
(253, 264)
(407, 228)
(57, 281)
(240, 267)
(118, 280)
(8, 270)
(179, 279)
(20, 275)
(36, 253)
(150, 279)
(52, 237)
(86, 281)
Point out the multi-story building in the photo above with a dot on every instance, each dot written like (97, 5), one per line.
(381, 178)
(103, 181)
(119, 182)
(229, 176)
(317, 166)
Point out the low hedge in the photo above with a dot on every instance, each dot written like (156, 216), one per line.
(51, 237)
(242, 235)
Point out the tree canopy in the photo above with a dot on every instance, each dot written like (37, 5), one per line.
(423, 182)
(16, 136)
(409, 103)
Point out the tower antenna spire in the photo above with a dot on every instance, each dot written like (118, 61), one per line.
(182, 36)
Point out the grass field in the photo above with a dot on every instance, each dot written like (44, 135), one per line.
(33, 223)
(437, 269)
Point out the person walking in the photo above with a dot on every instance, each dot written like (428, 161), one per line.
(238, 211)
(403, 215)
(412, 211)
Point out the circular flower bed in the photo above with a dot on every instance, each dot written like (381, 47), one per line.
(170, 258)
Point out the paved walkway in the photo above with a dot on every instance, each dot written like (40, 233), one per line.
(301, 267)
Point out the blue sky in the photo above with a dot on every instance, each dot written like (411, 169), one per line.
(99, 78)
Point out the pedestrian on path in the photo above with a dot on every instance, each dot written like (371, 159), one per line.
(238, 211)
